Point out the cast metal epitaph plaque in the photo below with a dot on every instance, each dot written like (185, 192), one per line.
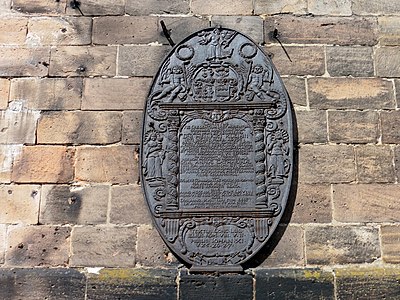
(217, 149)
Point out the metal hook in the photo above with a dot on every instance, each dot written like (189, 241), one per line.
(275, 35)
(166, 33)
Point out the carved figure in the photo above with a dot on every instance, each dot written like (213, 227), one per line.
(256, 82)
(154, 156)
(278, 150)
(175, 85)
(217, 39)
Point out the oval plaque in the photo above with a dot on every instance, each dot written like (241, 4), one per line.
(217, 149)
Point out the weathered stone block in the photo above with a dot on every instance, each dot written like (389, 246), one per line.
(296, 88)
(357, 93)
(4, 93)
(35, 246)
(63, 204)
(280, 7)
(353, 126)
(79, 127)
(375, 7)
(397, 162)
(118, 164)
(8, 153)
(47, 93)
(360, 203)
(341, 244)
(390, 127)
(252, 26)
(311, 126)
(112, 284)
(322, 30)
(151, 249)
(375, 164)
(59, 31)
(332, 8)
(20, 204)
(305, 60)
(83, 61)
(312, 204)
(223, 7)
(128, 205)
(326, 164)
(97, 8)
(140, 60)
(389, 30)
(3, 233)
(24, 61)
(143, 8)
(387, 61)
(367, 283)
(286, 248)
(114, 93)
(44, 164)
(391, 243)
(13, 30)
(354, 61)
(39, 6)
(5, 6)
(131, 127)
(294, 284)
(103, 246)
(40, 283)
(125, 30)
(226, 286)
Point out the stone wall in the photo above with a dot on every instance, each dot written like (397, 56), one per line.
(73, 81)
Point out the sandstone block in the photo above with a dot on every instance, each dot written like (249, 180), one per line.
(8, 154)
(35, 246)
(223, 7)
(391, 243)
(375, 7)
(132, 284)
(131, 127)
(128, 205)
(98, 8)
(390, 127)
(59, 31)
(322, 30)
(360, 203)
(354, 61)
(47, 93)
(39, 7)
(356, 93)
(312, 204)
(397, 162)
(118, 164)
(24, 61)
(374, 164)
(114, 93)
(296, 88)
(332, 8)
(20, 204)
(142, 8)
(44, 164)
(83, 61)
(341, 244)
(326, 164)
(305, 60)
(13, 30)
(387, 61)
(63, 204)
(79, 127)
(140, 60)
(125, 30)
(353, 126)
(4, 93)
(103, 246)
(311, 126)
(252, 26)
(3, 233)
(151, 249)
(180, 27)
(389, 30)
(280, 7)
(286, 248)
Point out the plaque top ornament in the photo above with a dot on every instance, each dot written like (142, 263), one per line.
(217, 149)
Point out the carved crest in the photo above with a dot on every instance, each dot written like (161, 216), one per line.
(217, 149)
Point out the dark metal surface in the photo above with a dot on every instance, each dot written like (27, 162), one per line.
(217, 149)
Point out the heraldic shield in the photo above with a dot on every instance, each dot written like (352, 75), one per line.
(217, 150)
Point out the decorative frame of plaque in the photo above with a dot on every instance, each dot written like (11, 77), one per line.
(217, 149)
